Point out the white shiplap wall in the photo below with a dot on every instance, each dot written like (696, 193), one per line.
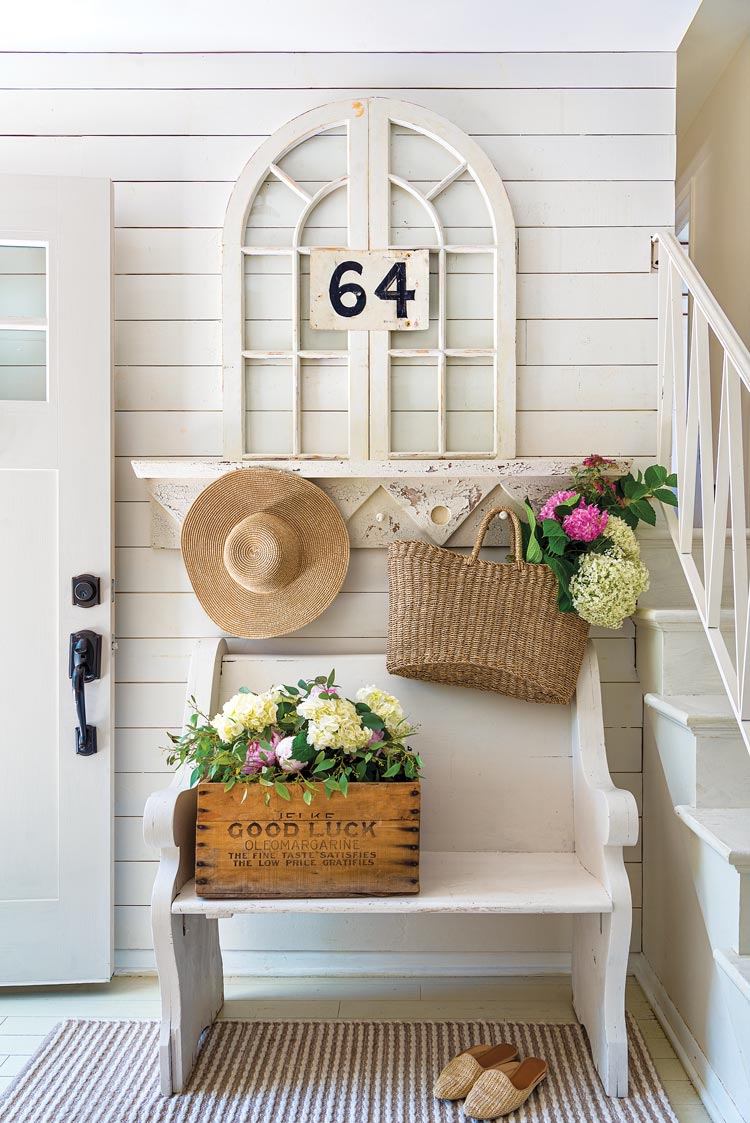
(585, 144)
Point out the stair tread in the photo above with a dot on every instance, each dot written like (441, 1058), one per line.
(693, 710)
(725, 829)
(678, 619)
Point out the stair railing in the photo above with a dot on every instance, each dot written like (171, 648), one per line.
(704, 378)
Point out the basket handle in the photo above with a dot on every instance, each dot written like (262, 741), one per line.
(504, 513)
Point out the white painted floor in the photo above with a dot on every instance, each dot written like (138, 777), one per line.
(27, 1015)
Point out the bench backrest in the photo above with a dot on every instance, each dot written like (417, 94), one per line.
(497, 771)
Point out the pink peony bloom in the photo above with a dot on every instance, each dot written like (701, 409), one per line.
(317, 690)
(548, 510)
(256, 756)
(286, 761)
(585, 523)
(375, 736)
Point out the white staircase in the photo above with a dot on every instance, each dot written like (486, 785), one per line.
(696, 841)
(694, 666)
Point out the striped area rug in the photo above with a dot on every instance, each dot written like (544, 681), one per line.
(313, 1072)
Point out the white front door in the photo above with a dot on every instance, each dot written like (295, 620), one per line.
(55, 524)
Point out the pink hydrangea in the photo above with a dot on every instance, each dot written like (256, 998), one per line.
(548, 510)
(585, 523)
(256, 756)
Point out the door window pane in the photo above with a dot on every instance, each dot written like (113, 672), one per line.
(23, 323)
(23, 365)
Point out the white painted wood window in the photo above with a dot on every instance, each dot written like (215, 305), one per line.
(370, 174)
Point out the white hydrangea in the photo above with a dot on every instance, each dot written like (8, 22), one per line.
(606, 588)
(333, 723)
(253, 712)
(388, 708)
(228, 728)
(624, 542)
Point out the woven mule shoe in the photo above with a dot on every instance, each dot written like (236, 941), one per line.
(459, 1075)
(497, 1093)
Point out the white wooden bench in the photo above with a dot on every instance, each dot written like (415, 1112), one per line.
(540, 830)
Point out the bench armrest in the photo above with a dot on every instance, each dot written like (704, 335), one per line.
(169, 825)
(604, 815)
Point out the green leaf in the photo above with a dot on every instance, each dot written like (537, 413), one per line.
(331, 678)
(281, 789)
(304, 753)
(655, 476)
(552, 529)
(533, 549)
(557, 546)
(563, 570)
(302, 684)
(243, 690)
(307, 796)
(324, 766)
(664, 495)
(645, 511)
(194, 776)
(343, 784)
(372, 721)
(392, 771)
(194, 720)
(671, 480)
(627, 484)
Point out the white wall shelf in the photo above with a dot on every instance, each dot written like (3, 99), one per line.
(441, 502)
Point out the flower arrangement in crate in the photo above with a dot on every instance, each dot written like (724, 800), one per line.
(305, 735)
(585, 534)
(287, 742)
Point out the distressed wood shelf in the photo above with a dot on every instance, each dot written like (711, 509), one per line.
(450, 883)
(437, 501)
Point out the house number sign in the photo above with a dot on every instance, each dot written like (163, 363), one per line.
(370, 290)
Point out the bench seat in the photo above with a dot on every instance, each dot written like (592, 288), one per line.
(449, 882)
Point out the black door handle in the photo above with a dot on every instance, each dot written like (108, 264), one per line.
(85, 664)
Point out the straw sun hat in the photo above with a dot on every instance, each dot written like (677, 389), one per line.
(265, 551)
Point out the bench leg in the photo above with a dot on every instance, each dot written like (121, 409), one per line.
(601, 945)
(191, 982)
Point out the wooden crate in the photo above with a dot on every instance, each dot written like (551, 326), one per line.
(364, 844)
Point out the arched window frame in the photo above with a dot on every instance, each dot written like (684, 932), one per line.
(368, 182)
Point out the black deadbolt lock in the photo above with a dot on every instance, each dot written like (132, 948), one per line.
(86, 590)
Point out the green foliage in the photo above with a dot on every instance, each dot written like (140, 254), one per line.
(629, 497)
(201, 749)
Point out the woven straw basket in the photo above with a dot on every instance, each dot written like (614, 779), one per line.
(494, 626)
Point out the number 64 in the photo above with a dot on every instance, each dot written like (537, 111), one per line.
(392, 287)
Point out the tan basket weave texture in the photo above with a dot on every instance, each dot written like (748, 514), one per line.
(494, 626)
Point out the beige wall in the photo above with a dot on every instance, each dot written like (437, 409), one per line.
(714, 152)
